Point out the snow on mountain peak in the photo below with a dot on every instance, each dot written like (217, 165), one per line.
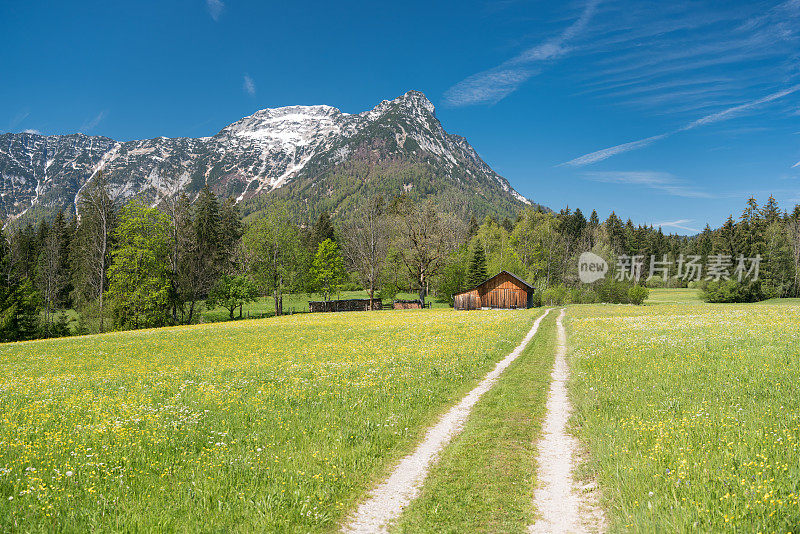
(290, 125)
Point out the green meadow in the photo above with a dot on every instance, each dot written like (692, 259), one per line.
(264, 425)
(690, 412)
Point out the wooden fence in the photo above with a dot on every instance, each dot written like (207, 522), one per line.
(316, 306)
(409, 305)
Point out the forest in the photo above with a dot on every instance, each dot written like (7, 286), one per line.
(131, 266)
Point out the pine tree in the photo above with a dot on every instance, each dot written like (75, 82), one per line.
(472, 230)
(770, 212)
(19, 320)
(594, 220)
(724, 238)
(476, 272)
(206, 256)
(616, 233)
(322, 230)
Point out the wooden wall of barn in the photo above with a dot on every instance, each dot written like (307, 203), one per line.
(467, 301)
(501, 291)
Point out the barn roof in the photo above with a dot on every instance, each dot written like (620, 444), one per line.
(512, 275)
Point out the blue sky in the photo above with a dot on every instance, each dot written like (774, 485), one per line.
(666, 112)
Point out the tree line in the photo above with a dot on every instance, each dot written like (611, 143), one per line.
(138, 266)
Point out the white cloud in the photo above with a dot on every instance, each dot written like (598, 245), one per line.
(712, 118)
(215, 8)
(735, 110)
(796, 165)
(600, 155)
(32, 131)
(680, 224)
(659, 181)
(492, 85)
(248, 85)
(91, 124)
(18, 118)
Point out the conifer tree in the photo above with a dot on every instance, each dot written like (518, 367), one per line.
(476, 272)
(322, 230)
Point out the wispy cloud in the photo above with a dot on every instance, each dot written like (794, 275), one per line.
(658, 181)
(736, 110)
(680, 224)
(32, 131)
(18, 118)
(248, 85)
(492, 85)
(92, 123)
(600, 155)
(215, 8)
(646, 45)
(796, 165)
(729, 113)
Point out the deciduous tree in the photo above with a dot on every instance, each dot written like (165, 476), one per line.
(329, 271)
(272, 247)
(231, 292)
(365, 245)
(139, 277)
(425, 240)
(92, 250)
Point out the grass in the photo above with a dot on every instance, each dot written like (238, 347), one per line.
(673, 296)
(275, 425)
(691, 414)
(485, 478)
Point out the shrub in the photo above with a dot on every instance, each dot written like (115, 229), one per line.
(731, 291)
(638, 294)
(613, 291)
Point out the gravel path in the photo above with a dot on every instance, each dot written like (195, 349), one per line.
(386, 502)
(561, 506)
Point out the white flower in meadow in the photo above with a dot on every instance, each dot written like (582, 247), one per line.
(651, 493)
(258, 449)
(68, 473)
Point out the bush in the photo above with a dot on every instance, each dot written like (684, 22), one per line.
(613, 291)
(731, 291)
(655, 282)
(638, 294)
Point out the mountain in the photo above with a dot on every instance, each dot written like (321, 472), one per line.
(314, 157)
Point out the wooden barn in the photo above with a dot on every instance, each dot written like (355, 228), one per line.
(503, 290)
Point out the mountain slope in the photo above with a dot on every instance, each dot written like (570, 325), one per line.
(317, 157)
